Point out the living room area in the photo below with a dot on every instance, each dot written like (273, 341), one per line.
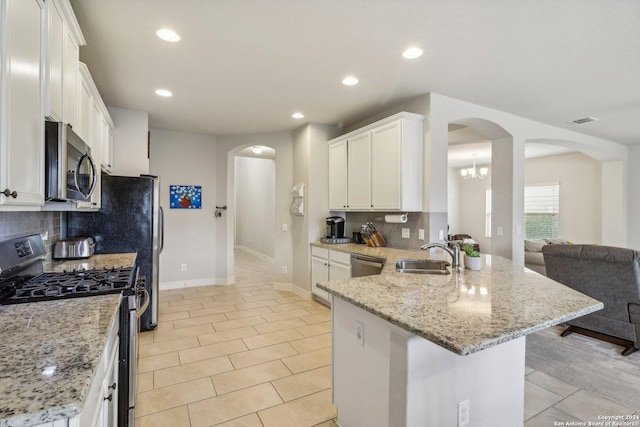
(563, 198)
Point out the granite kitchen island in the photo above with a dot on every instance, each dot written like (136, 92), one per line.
(419, 349)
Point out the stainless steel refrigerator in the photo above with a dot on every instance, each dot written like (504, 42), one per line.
(130, 220)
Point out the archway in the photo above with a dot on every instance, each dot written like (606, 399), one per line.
(483, 206)
(254, 199)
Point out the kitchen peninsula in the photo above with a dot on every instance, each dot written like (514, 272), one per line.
(446, 350)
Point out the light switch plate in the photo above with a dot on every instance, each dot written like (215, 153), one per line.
(406, 233)
(421, 234)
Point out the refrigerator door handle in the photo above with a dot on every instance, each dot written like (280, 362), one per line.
(161, 229)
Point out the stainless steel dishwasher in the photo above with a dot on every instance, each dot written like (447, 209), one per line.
(365, 265)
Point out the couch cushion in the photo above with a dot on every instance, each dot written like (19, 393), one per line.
(534, 245)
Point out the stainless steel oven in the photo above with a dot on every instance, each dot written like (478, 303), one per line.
(132, 309)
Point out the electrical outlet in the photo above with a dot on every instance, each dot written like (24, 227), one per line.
(463, 413)
(284, 269)
(499, 231)
(183, 267)
(421, 234)
(360, 333)
(406, 233)
(285, 227)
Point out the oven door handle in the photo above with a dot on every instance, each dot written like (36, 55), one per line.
(144, 307)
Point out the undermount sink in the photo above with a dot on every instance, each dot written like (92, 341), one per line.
(422, 266)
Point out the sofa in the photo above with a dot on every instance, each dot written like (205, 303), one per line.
(608, 274)
(533, 257)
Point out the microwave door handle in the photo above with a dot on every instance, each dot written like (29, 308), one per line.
(93, 172)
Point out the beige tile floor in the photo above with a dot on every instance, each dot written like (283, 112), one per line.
(248, 355)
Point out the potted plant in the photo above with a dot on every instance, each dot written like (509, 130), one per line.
(472, 260)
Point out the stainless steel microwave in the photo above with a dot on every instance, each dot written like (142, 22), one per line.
(71, 173)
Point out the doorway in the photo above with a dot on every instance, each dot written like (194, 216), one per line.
(255, 185)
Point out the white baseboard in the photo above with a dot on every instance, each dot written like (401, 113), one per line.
(253, 252)
(281, 286)
(179, 284)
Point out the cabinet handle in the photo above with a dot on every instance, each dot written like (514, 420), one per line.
(109, 397)
(8, 193)
(113, 386)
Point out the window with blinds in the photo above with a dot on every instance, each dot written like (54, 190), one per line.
(541, 210)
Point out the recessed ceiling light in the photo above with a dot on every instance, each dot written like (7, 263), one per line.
(297, 116)
(257, 149)
(168, 35)
(350, 81)
(412, 53)
(164, 92)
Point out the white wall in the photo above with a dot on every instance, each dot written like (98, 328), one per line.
(580, 179)
(227, 147)
(633, 200)
(469, 205)
(255, 204)
(614, 205)
(311, 167)
(190, 234)
(581, 204)
(130, 137)
(453, 200)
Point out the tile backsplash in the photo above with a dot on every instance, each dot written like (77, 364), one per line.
(17, 224)
(428, 221)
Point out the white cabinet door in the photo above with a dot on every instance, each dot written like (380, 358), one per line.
(339, 271)
(359, 172)
(61, 56)
(21, 125)
(319, 273)
(85, 111)
(52, 55)
(107, 146)
(70, 75)
(386, 146)
(339, 265)
(338, 175)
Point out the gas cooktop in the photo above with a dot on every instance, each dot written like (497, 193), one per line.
(71, 284)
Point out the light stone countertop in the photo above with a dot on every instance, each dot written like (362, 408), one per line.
(68, 334)
(95, 261)
(465, 311)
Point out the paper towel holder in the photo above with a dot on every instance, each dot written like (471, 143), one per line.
(396, 219)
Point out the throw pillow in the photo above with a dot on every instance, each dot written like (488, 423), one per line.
(555, 241)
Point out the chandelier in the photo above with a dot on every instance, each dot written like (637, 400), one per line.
(471, 173)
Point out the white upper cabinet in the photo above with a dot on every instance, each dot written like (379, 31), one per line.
(21, 124)
(62, 41)
(359, 172)
(338, 175)
(383, 166)
(95, 128)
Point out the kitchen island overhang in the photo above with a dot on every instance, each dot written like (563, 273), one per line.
(432, 342)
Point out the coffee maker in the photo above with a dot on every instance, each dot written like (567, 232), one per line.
(335, 227)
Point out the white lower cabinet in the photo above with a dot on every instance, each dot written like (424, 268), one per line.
(101, 406)
(328, 265)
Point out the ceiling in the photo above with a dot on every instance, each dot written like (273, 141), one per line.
(245, 66)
